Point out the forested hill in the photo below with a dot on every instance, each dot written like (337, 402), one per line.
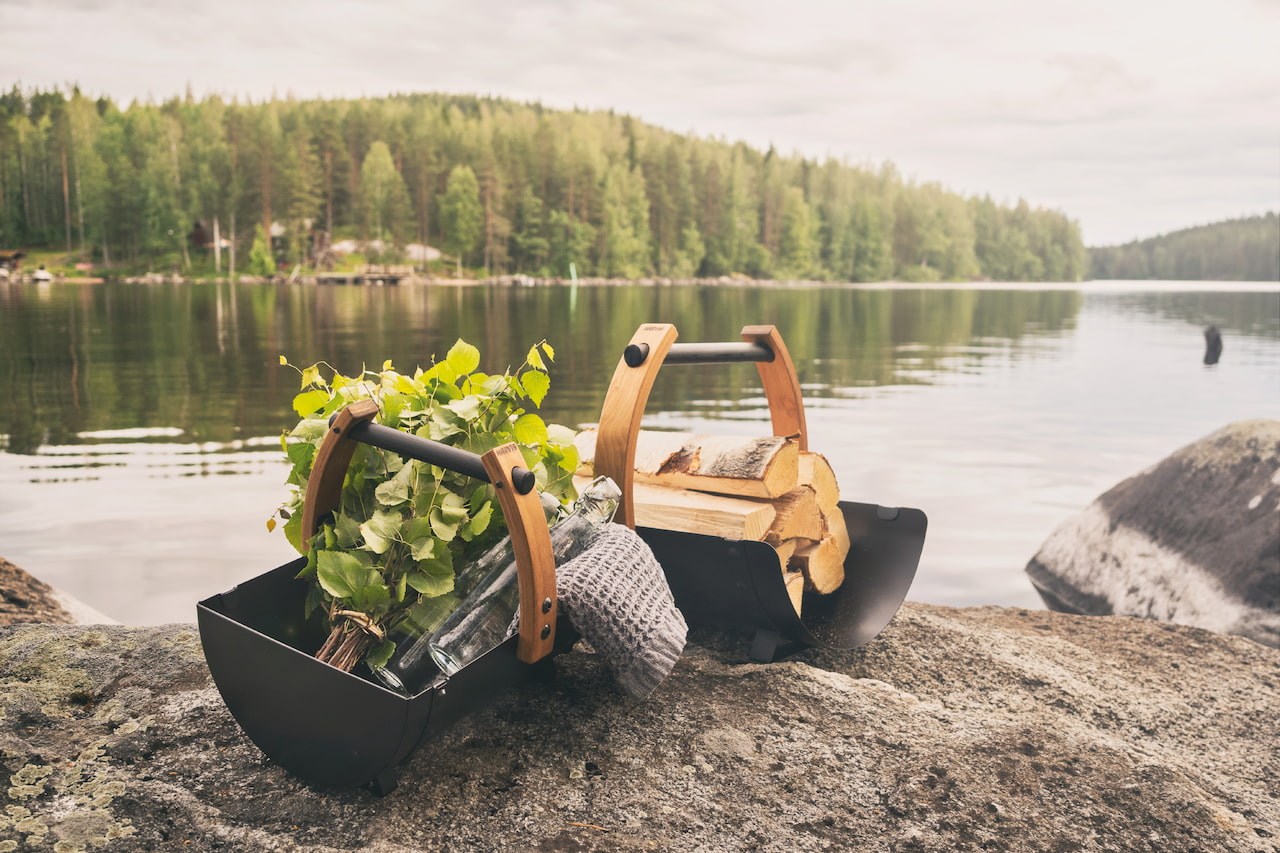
(507, 187)
(1245, 249)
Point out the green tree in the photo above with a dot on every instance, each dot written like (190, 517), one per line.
(461, 216)
(795, 238)
(261, 261)
(385, 211)
(571, 243)
(530, 244)
(624, 230)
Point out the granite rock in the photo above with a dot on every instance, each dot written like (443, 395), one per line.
(955, 730)
(25, 598)
(1194, 540)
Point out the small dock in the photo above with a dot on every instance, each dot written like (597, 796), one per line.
(369, 274)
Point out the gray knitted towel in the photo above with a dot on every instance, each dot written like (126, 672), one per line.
(617, 597)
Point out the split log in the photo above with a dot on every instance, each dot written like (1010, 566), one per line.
(795, 589)
(788, 547)
(765, 467)
(798, 517)
(665, 508)
(815, 472)
(821, 564)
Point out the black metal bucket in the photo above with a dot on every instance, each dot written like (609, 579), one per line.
(738, 583)
(735, 583)
(328, 727)
(337, 729)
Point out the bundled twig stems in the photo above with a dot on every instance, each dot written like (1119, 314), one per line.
(349, 640)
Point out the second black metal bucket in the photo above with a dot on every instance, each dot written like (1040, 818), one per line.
(739, 583)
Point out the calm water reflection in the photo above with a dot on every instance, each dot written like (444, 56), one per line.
(997, 411)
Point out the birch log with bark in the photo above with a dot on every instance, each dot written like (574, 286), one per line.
(725, 465)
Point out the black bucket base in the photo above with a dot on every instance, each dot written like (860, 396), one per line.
(734, 583)
(328, 727)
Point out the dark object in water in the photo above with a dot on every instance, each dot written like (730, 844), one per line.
(1212, 345)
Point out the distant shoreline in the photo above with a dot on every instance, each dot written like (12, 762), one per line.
(1093, 285)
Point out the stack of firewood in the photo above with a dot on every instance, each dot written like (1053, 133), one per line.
(741, 488)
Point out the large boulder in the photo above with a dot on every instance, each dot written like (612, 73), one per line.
(955, 730)
(1193, 540)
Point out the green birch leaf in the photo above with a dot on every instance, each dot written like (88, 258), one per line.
(341, 573)
(422, 542)
(551, 353)
(482, 442)
(310, 429)
(477, 383)
(441, 375)
(433, 577)
(467, 408)
(536, 383)
(315, 599)
(395, 491)
(569, 459)
(534, 358)
(463, 357)
(371, 597)
(311, 376)
(389, 462)
(346, 531)
(381, 531)
(480, 520)
(443, 425)
(293, 531)
(448, 516)
(301, 454)
(498, 418)
(310, 401)
(309, 570)
(560, 436)
(530, 429)
(379, 655)
(428, 614)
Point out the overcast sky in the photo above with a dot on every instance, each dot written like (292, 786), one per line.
(1134, 118)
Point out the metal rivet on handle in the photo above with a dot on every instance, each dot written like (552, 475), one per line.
(546, 631)
(546, 605)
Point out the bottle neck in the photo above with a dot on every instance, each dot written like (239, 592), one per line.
(598, 502)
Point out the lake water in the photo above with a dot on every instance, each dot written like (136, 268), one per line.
(139, 424)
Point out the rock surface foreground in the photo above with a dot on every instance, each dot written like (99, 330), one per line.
(971, 729)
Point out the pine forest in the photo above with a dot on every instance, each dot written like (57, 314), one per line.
(499, 187)
(1244, 249)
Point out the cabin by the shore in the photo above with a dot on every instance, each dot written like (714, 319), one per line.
(10, 260)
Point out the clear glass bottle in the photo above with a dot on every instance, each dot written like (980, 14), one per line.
(419, 622)
(486, 617)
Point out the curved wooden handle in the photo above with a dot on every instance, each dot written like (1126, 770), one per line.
(535, 562)
(329, 468)
(629, 389)
(781, 385)
(624, 404)
(530, 538)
